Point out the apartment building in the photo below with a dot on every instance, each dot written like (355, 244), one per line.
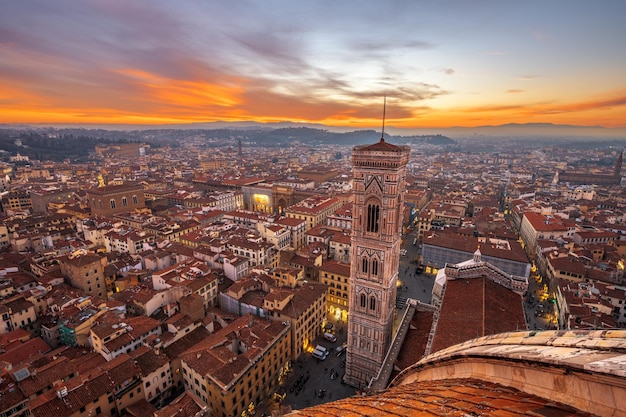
(238, 366)
(85, 271)
(314, 210)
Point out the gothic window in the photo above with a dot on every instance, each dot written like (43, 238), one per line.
(375, 267)
(364, 266)
(363, 300)
(135, 200)
(373, 217)
(112, 203)
(372, 303)
(124, 201)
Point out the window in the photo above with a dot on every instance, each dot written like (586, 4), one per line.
(373, 215)
(135, 201)
(372, 303)
(363, 300)
(112, 203)
(364, 266)
(375, 267)
(124, 201)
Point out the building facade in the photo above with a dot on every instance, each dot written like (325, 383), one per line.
(379, 183)
(238, 366)
(113, 199)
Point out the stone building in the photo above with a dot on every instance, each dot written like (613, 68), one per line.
(113, 199)
(86, 272)
(235, 368)
(379, 183)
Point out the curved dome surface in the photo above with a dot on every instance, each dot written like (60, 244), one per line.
(546, 373)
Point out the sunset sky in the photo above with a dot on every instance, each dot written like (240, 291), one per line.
(439, 63)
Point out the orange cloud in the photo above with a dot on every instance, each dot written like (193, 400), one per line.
(142, 97)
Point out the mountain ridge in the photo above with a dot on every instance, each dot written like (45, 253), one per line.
(508, 129)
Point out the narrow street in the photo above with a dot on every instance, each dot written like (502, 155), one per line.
(412, 283)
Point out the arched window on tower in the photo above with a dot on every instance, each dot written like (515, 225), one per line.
(364, 266)
(372, 303)
(373, 217)
(375, 267)
(363, 300)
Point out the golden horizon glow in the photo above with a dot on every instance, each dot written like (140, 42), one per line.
(125, 64)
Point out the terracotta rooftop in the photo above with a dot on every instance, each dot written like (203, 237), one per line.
(414, 347)
(212, 358)
(549, 374)
(511, 251)
(334, 267)
(450, 398)
(476, 307)
(380, 146)
(186, 405)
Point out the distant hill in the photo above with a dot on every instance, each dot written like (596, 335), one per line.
(496, 131)
(545, 130)
(286, 136)
(77, 143)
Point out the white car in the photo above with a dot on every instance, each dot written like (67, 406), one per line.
(320, 352)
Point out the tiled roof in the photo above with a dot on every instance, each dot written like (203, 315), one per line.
(186, 405)
(24, 352)
(46, 376)
(213, 359)
(414, 345)
(380, 146)
(148, 360)
(174, 350)
(452, 398)
(476, 307)
(334, 267)
(512, 251)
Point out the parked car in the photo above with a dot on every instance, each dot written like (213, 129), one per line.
(320, 352)
(330, 337)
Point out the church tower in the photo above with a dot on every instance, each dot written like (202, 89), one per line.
(379, 183)
(617, 169)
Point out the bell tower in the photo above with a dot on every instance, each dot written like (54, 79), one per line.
(379, 185)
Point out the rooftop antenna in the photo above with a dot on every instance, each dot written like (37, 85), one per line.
(382, 137)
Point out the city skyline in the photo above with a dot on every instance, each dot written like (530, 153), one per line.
(439, 65)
